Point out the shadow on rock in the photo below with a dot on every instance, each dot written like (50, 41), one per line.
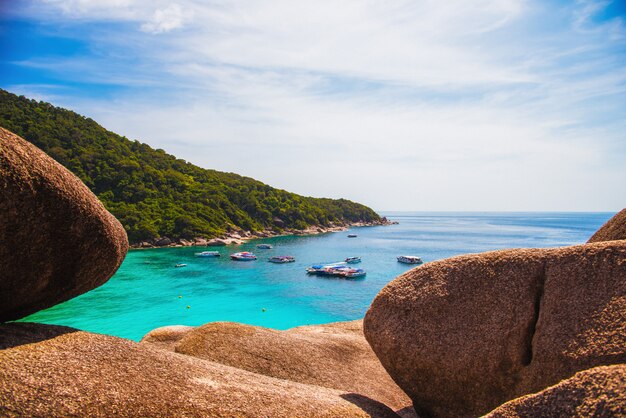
(19, 333)
(369, 405)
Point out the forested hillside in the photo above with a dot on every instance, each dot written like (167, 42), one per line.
(155, 194)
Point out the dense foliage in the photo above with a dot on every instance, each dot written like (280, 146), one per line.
(155, 194)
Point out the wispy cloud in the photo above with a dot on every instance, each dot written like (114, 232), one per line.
(477, 105)
(164, 20)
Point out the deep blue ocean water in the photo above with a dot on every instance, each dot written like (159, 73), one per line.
(149, 292)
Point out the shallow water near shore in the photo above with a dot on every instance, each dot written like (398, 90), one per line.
(148, 291)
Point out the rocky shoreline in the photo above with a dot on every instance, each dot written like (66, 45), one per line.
(241, 236)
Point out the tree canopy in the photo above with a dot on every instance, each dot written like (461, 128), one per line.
(155, 194)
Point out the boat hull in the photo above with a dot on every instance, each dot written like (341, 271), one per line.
(409, 260)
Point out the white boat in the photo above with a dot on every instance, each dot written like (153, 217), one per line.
(353, 260)
(243, 256)
(208, 254)
(264, 246)
(180, 265)
(337, 270)
(410, 259)
(280, 259)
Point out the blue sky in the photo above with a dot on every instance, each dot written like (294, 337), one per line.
(402, 105)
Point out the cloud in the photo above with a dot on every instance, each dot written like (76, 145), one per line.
(156, 16)
(501, 105)
(164, 20)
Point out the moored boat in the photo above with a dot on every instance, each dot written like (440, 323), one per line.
(323, 269)
(280, 259)
(264, 246)
(208, 254)
(181, 265)
(351, 235)
(353, 260)
(337, 270)
(409, 259)
(353, 273)
(243, 256)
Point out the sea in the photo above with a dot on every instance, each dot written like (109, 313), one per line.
(148, 291)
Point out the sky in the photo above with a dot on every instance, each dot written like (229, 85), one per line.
(424, 105)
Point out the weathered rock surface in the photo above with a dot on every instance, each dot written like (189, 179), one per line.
(166, 337)
(58, 241)
(464, 335)
(162, 242)
(216, 243)
(613, 229)
(598, 392)
(335, 355)
(57, 372)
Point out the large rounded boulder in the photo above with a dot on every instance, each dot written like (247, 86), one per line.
(49, 371)
(613, 229)
(466, 334)
(56, 239)
(335, 356)
(597, 392)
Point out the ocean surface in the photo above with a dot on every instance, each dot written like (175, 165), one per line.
(149, 292)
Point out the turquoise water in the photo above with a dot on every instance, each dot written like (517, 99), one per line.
(148, 291)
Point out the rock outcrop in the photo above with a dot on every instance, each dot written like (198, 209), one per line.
(57, 372)
(613, 229)
(335, 356)
(58, 241)
(597, 392)
(162, 242)
(216, 243)
(466, 334)
(166, 337)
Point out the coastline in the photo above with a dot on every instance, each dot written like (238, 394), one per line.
(242, 236)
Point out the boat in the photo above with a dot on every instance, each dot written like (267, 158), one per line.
(353, 260)
(208, 254)
(323, 269)
(243, 256)
(409, 259)
(337, 270)
(353, 273)
(264, 246)
(351, 235)
(280, 259)
(180, 265)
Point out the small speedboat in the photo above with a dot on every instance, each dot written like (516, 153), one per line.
(243, 256)
(353, 260)
(208, 254)
(351, 235)
(181, 265)
(264, 246)
(280, 259)
(409, 259)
